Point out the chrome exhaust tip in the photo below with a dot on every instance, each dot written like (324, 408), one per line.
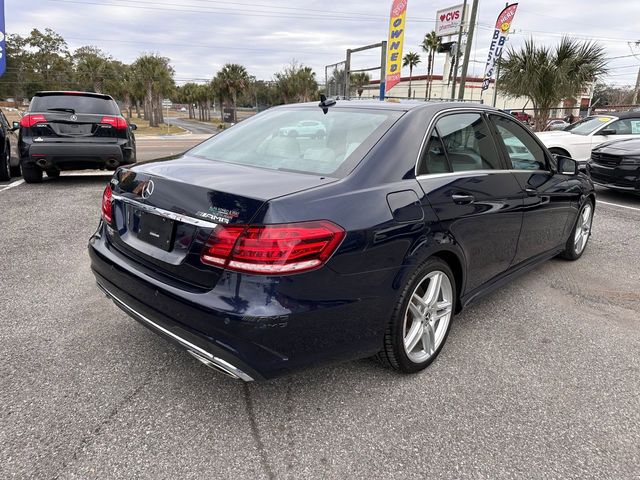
(42, 163)
(112, 163)
(212, 364)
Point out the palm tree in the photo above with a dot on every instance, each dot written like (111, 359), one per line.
(155, 75)
(410, 60)
(548, 75)
(358, 81)
(430, 45)
(234, 79)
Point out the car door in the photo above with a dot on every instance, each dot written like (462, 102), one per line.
(621, 129)
(477, 200)
(548, 195)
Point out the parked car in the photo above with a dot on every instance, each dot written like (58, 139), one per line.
(577, 140)
(73, 131)
(9, 163)
(262, 254)
(616, 165)
(305, 128)
(556, 124)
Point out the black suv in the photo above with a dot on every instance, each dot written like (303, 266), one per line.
(73, 131)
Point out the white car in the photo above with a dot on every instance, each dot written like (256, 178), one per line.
(577, 140)
(305, 128)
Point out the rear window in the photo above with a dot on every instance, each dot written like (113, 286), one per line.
(79, 104)
(301, 140)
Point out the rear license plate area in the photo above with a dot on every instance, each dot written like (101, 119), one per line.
(156, 230)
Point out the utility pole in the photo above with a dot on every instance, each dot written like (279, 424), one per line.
(636, 94)
(467, 50)
(458, 47)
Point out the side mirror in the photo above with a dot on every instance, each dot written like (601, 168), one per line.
(15, 126)
(607, 131)
(566, 165)
(133, 126)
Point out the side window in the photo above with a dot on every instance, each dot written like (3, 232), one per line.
(4, 120)
(468, 143)
(434, 159)
(629, 126)
(522, 149)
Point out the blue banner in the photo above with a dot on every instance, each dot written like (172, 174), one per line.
(3, 50)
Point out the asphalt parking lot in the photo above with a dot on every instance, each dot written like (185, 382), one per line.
(539, 380)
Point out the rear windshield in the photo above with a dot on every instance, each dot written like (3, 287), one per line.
(77, 103)
(304, 140)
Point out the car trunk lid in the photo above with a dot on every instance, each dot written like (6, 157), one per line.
(165, 211)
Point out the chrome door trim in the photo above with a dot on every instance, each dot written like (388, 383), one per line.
(165, 213)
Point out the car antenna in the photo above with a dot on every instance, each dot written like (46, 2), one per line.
(325, 103)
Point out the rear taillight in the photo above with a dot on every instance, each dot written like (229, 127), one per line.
(117, 122)
(29, 121)
(107, 205)
(273, 249)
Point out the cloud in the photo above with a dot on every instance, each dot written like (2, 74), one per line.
(199, 37)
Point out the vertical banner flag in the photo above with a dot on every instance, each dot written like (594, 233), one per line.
(3, 53)
(503, 24)
(396, 39)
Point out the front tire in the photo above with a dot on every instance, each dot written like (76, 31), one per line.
(421, 320)
(31, 174)
(577, 241)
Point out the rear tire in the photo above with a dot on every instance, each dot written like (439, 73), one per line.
(421, 320)
(53, 173)
(16, 171)
(5, 165)
(580, 234)
(31, 174)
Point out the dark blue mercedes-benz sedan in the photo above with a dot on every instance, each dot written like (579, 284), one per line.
(334, 231)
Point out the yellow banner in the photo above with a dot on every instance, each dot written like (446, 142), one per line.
(394, 45)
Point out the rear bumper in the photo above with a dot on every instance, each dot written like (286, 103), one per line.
(75, 155)
(263, 328)
(623, 177)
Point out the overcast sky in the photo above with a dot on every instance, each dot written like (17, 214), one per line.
(199, 36)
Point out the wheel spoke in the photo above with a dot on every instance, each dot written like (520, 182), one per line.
(429, 338)
(417, 314)
(433, 290)
(413, 337)
(419, 302)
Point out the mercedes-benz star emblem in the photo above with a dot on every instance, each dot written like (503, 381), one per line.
(147, 191)
(73, 118)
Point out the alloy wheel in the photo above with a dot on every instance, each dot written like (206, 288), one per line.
(427, 317)
(583, 228)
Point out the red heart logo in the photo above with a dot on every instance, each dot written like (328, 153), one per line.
(442, 17)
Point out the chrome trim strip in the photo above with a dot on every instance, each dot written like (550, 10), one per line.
(467, 173)
(218, 362)
(165, 213)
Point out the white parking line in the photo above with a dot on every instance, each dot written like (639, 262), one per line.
(620, 206)
(11, 185)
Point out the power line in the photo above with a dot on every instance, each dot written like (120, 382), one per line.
(237, 12)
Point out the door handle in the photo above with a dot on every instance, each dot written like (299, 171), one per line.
(532, 192)
(463, 199)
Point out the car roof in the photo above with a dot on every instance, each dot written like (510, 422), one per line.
(50, 93)
(400, 106)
